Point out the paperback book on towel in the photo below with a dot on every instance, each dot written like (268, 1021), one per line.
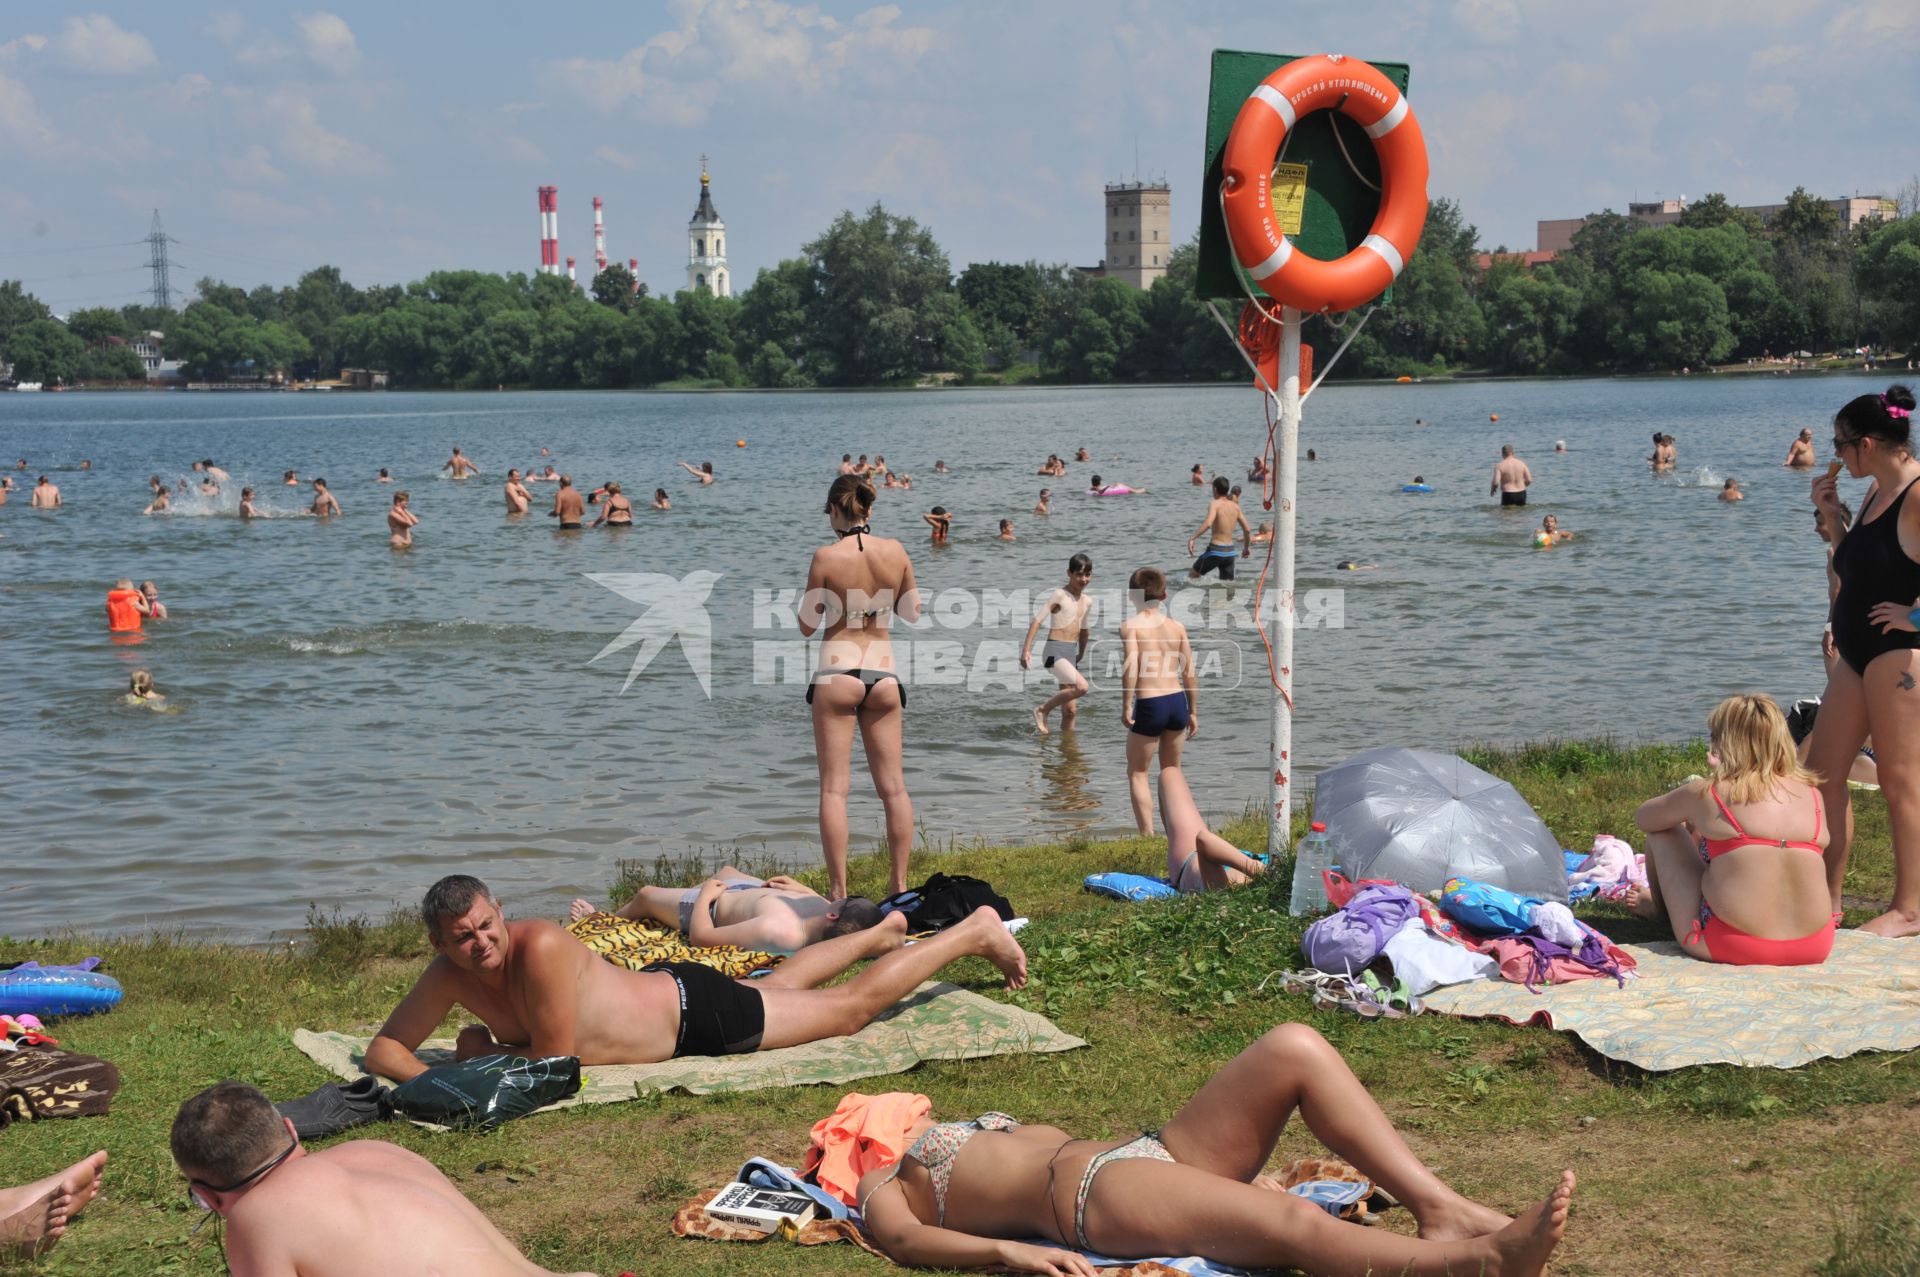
(761, 1208)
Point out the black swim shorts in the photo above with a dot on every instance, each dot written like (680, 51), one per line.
(718, 1016)
(1514, 498)
(1213, 561)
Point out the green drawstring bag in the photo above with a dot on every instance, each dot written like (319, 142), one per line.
(481, 1093)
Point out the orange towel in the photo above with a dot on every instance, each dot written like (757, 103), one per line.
(865, 1133)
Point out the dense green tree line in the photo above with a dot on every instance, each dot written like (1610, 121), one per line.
(873, 301)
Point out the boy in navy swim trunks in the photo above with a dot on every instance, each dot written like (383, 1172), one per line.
(1156, 690)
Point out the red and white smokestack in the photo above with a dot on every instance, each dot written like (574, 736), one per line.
(599, 237)
(553, 230)
(633, 267)
(571, 277)
(541, 191)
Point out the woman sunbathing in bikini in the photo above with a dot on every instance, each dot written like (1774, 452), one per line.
(1737, 861)
(965, 1190)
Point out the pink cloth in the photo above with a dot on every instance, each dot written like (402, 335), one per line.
(865, 1133)
(1612, 868)
(1516, 959)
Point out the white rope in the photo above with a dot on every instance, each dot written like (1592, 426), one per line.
(1365, 315)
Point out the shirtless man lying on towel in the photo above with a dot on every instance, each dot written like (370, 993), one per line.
(538, 991)
(767, 915)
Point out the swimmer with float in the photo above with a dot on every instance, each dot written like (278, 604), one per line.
(1550, 534)
(1099, 489)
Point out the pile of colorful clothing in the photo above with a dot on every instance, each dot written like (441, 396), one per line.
(1608, 873)
(1384, 945)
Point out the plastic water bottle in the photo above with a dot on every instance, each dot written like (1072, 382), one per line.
(1310, 856)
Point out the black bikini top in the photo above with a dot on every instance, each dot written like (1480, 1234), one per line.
(855, 532)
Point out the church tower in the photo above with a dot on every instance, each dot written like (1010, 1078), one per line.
(707, 244)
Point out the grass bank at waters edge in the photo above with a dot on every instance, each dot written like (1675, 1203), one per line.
(1699, 1171)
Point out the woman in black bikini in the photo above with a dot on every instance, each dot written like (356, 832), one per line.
(615, 510)
(854, 588)
(1874, 688)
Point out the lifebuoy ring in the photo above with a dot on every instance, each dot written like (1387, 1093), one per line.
(1361, 93)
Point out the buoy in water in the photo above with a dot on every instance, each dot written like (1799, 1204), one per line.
(739, 443)
(1403, 380)
(1493, 416)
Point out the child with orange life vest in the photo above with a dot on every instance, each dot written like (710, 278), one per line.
(125, 607)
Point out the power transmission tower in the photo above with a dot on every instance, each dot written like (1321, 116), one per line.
(157, 241)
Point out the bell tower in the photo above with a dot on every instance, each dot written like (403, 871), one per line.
(707, 244)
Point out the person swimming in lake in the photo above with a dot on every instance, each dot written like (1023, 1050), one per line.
(660, 501)
(1224, 517)
(400, 522)
(1082, 455)
(324, 503)
(383, 476)
(1197, 477)
(704, 473)
(247, 509)
(1736, 861)
(1551, 533)
(940, 467)
(940, 519)
(1052, 467)
(140, 691)
(151, 593)
(1800, 451)
(1263, 534)
(519, 500)
(1257, 472)
(1312, 455)
(460, 465)
(1065, 649)
(1098, 489)
(1040, 507)
(162, 499)
(616, 511)
(290, 480)
(1006, 530)
(1730, 491)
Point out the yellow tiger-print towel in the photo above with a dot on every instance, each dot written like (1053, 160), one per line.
(638, 944)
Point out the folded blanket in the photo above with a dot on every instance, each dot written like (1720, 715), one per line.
(633, 945)
(45, 1081)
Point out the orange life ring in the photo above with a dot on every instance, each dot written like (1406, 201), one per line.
(1361, 93)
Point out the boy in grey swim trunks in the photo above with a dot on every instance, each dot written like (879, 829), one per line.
(1065, 612)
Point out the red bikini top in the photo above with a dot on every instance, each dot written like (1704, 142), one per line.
(1721, 846)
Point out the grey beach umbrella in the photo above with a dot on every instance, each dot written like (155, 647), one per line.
(1420, 817)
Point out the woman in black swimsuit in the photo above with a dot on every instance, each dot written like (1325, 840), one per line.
(1874, 688)
(854, 588)
(615, 510)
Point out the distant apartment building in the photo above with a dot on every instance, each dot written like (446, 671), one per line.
(1139, 232)
(1556, 235)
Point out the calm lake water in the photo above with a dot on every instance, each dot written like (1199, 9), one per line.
(355, 722)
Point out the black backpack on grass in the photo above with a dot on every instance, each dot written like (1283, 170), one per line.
(943, 900)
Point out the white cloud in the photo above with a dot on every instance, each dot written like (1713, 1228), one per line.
(255, 165)
(20, 120)
(1880, 25)
(254, 208)
(99, 44)
(676, 73)
(1773, 57)
(1495, 21)
(1773, 99)
(22, 44)
(328, 41)
(190, 87)
(617, 158)
(249, 47)
(305, 140)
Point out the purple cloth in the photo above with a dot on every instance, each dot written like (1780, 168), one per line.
(1345, 941)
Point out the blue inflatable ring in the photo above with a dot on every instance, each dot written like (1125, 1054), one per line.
(45, 991)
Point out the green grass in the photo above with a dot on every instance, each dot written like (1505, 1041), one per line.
(1700, 1170)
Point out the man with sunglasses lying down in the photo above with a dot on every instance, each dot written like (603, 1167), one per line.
(356, 1208)
(538, 991)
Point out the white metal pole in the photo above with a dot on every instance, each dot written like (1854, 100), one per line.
(1280, 589)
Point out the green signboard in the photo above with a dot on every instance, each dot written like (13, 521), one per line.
(1335, 201)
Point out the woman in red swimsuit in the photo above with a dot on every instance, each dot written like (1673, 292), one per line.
(1736, 861)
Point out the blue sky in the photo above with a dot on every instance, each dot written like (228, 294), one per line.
(395, 138)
